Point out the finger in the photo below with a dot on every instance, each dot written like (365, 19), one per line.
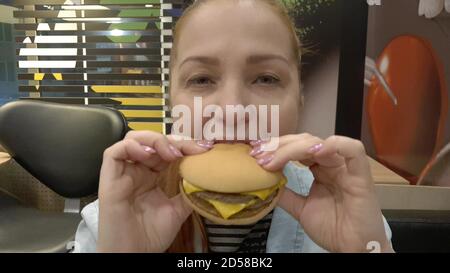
(130, 150)
(143, 180)
(158, 142)
(120, 162)
(189, 146)
(265, 148)
(281, 140)
(122, 151)
(329, 159)
(297, 150)
(292, 203)
(274, 143)
(154, 162)
(327, 176)
(160, 166)
(339, 150)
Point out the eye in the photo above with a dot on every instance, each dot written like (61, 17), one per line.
(267, 80)
(200, 81)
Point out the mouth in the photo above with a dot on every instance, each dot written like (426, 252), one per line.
(232, 141)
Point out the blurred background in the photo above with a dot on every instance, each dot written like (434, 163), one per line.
(377, 72)
(408, 42)
(115, 53)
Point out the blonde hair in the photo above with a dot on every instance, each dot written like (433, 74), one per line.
(170, 178)
(275, 5)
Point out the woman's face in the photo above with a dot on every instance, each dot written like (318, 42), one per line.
(237, 53)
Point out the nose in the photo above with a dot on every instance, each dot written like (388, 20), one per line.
(231, 93)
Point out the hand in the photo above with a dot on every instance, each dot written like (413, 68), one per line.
(341, 213)
(134, 213)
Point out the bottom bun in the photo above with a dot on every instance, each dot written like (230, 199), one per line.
(233, 221)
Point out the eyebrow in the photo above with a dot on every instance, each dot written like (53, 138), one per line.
(253, 59)
(201, 59)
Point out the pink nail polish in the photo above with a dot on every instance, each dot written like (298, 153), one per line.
(175, 151)
(257, 142)
(316, 148)
(266, 160)
(210, 142)
(205, 144)
(149, 150)
(256, 151)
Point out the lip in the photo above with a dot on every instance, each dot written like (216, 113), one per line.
(232, 141)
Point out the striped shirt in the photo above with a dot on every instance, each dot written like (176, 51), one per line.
(240, 238)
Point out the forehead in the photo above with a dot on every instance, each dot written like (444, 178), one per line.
(234, 26)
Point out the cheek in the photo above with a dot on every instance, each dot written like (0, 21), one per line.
(179, 102)
(191, 111)
(177, 97)
(289, 117)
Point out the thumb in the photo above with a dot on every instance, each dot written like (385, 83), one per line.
(292, 203)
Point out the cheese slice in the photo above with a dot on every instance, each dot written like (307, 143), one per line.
(226, 210)
(189, 188)
(261, 194)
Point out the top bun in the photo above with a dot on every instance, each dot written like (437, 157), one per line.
(227, 168)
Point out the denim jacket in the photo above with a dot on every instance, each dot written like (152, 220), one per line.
(286, 235)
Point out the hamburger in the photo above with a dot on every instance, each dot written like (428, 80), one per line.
(227, 186)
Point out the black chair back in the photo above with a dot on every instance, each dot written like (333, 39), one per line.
(61, 145)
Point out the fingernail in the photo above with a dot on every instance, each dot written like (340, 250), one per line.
(175, 151)
(256, 151)
(207, 144)
(149, 150)
(256, 142)
(316, 148)
(266, 160)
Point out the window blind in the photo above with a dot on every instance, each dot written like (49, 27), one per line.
(113, 53)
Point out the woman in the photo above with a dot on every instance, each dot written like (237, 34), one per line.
(239, 52)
